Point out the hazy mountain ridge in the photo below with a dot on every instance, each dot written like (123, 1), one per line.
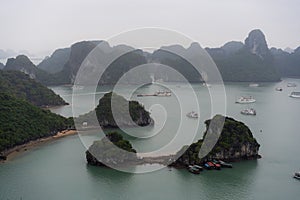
(251, 61)
(56, 61)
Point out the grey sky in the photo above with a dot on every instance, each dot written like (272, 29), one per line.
(41, 26)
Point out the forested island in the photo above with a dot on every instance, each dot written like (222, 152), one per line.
(236, 143)
(138, 115)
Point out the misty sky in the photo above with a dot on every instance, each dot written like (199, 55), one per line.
(41, 26)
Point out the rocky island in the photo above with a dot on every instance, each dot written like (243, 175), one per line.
(138, 115)
(111, 150)
(236, 143)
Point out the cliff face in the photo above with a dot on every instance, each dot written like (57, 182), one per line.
(56, 61)
(256, 43)
(138, 115)
(235, 143)
(23, 64)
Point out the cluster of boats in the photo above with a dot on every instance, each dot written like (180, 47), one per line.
(216, 164)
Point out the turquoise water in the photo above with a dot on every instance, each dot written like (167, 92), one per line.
(58, 170)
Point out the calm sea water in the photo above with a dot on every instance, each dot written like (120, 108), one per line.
(58, 170)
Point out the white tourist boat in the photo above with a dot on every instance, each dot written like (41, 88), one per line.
(245, 100)
(253, 85)
(295, 95)
(248, 111)
(279, 89)
(192, 114)
(163, 93)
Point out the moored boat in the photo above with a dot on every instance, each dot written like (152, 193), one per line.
(198, 167)
(224, 164)
(253, 85)
(193, 169)
(245, 100)
(207, 166)
(295, 95)
(211, 165)
(278, 89)
(217, 166)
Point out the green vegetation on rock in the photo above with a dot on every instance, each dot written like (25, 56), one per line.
(236, 142)
(138, 115)
(21, 122)
(22, 86)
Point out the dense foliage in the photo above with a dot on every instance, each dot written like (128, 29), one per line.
(138, 114)
(234, 139)
(22, 86)
(21, 122)
(112, 149)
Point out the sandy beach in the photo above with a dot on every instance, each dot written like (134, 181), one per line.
(11, 153)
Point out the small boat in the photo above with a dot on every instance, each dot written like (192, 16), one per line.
(291, 85)
(295, 95)
(278, 89)
(217, 166)
(192, 114)
(297, 175)
(211, 165)
(163, 93)
(245, 100)
(207, 166)
(193, 170)
(198, 167)
(253, 85)
(248, 111)
(224, 164)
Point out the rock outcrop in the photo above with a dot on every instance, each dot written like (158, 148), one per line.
(256, 43)
(111, 150)
(235, 143)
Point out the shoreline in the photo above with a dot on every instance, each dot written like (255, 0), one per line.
(13, 152)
